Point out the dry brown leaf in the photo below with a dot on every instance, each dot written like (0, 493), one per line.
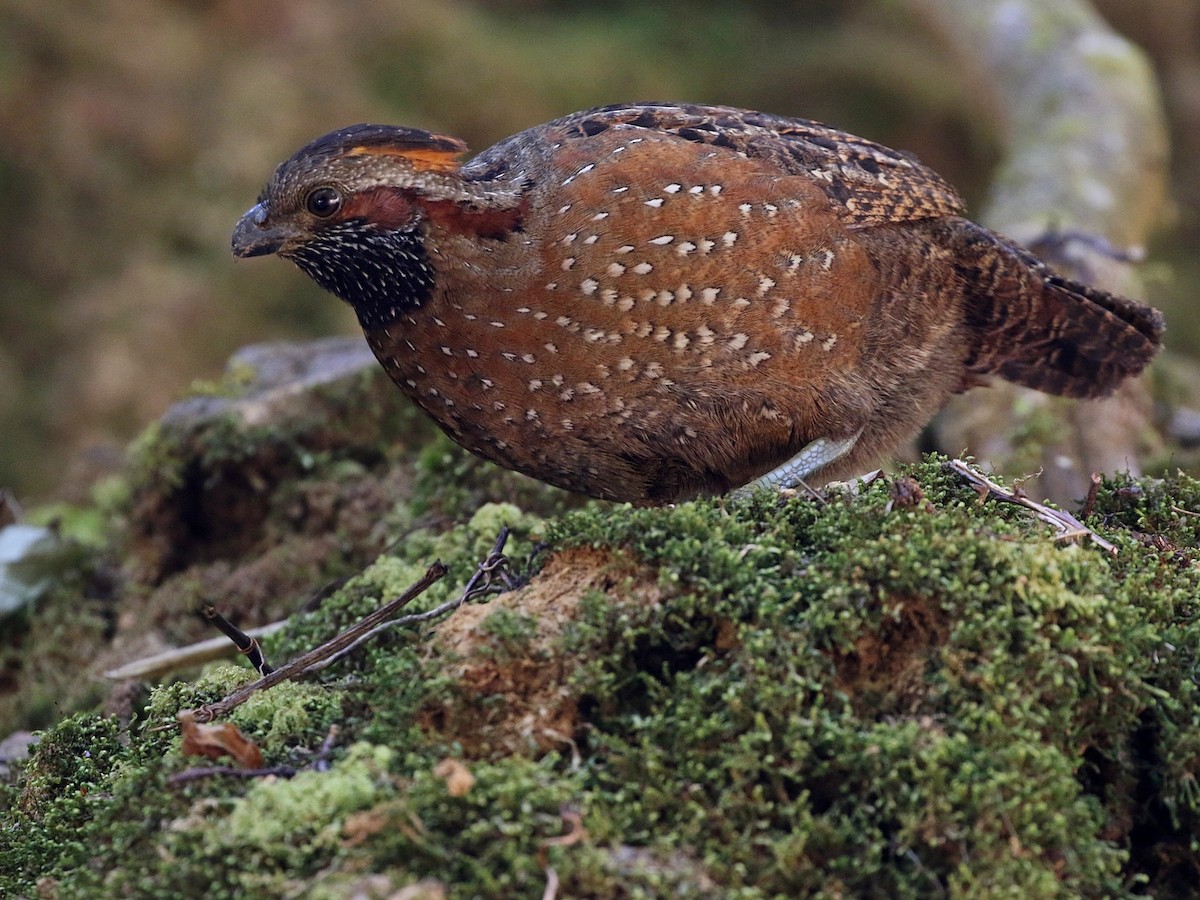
(459, 779)
(361, 826)
(577, 834)
(215, 741)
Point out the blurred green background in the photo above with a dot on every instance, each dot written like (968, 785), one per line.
(136, 131)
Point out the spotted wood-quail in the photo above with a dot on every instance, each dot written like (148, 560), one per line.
(653, 301)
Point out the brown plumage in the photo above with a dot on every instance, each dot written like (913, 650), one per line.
(648, 302)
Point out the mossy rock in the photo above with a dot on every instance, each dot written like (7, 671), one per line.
(904, 692)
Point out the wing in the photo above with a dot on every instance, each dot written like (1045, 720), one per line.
(870, 184)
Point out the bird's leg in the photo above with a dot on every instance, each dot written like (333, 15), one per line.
(814, 457)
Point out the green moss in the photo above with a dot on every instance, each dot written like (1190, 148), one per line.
(887, 665)
(391, 679)
(294, 824)
(280, 721)
(511, 633)
(232, 383)
(63, 788)
(774, 697)
(461, 548)
(71, 583)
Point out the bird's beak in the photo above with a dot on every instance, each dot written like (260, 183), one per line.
(254, 237)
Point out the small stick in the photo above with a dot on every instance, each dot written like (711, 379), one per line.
(1089, 504)
(244, 642)
(195, 774)
(321, 761)
(307, 661)
(215, 648)
(1066, 524)
(185, 657)
(486, 571)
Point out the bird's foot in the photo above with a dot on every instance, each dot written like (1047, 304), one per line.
(814, 457)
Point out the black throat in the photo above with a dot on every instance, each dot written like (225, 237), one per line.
(382, 274)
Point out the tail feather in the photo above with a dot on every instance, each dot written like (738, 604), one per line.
(1041, 330)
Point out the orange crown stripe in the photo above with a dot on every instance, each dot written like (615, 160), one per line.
(423, 159)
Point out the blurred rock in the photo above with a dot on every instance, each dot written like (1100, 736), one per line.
(1184, 427)
(15, 748)
(278, 380)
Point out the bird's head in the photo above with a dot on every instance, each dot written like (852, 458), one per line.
(376, 176)
(350, 210)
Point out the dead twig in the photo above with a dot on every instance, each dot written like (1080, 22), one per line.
(1089, 503)
(315, 657)
(321, 760)
(185, 657)
(320, 763)
(200, 772)
(491, 576)
(1067, 526)
(576, 834)
(246, 645)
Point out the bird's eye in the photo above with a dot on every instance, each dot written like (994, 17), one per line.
(323, 202)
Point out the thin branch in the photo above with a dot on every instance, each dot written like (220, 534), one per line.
(199, 772)
(246, 644)
(312, 658)
(484, 581)
(1067, 526)
(185, 657)
(321, 761)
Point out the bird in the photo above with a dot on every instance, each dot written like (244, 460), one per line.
(651, 302)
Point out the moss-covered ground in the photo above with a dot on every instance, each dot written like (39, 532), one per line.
(907, 692)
